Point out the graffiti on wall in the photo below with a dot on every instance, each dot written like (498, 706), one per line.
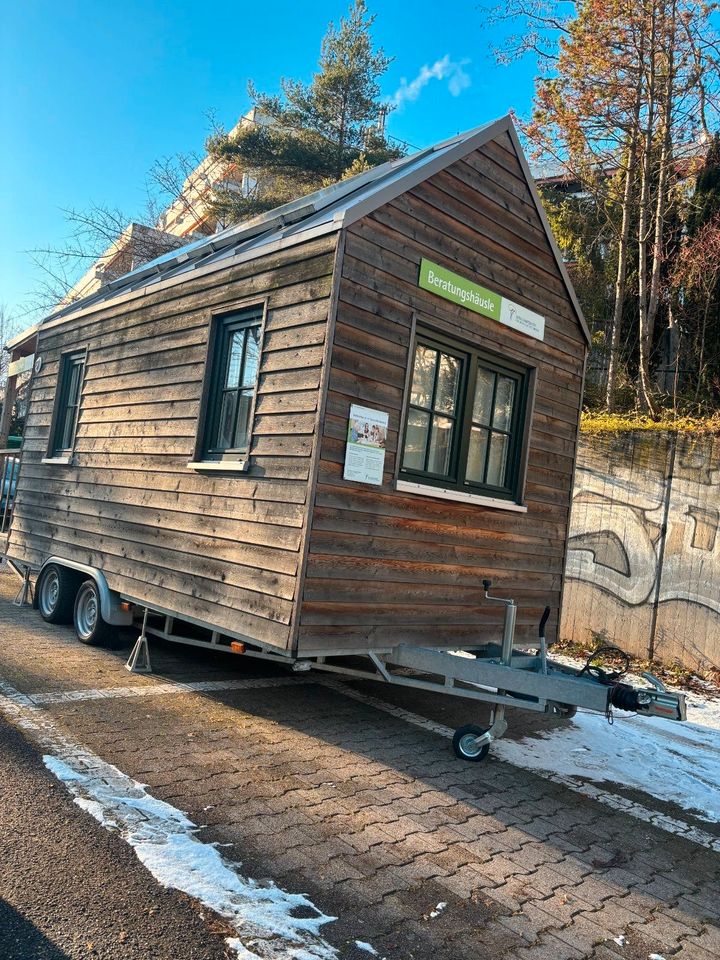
(644, 536)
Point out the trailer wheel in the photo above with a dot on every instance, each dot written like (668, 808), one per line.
(465, 743)
(89, 625)
(55, 594)
(566, 710)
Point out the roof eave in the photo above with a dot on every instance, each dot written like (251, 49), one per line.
(464, 147)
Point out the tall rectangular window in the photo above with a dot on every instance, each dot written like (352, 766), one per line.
(432, 423)
(67, 403)
(233, 374)
(465, 419)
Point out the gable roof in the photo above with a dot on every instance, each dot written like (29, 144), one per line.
(325, 211)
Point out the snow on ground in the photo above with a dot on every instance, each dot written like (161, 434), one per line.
(677, 762)
(164, 839)
(367, 947)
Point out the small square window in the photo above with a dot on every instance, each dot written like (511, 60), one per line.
(67, 404)
(465, 419)
(235, 361)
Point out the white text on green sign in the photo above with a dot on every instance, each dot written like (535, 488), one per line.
(468, 294)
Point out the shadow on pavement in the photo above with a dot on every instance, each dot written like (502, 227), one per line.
(21, 940)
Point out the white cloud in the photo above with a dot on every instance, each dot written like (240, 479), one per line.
(445, 69)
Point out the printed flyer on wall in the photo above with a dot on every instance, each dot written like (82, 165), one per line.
(365, 451)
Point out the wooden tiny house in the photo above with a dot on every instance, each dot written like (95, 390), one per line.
(188, 432)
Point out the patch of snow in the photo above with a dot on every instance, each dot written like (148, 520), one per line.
(655, 956)
(438, 910)
(367, 947)
(582, 787)
(673, 761)
(241, 951)
(621, 940)
(164, 840)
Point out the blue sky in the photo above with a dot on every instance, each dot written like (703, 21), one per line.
(93, 93)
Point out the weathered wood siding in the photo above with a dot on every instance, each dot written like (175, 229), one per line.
(385, 566)
(223, 549)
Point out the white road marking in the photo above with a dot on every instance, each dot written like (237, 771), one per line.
(164, 688)
(630, 807)
(164, 840)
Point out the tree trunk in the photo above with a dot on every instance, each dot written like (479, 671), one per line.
(619, 303)
(644, 392)
(666, 119)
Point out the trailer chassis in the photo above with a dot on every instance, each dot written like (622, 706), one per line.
(509, 676)
(499, 675)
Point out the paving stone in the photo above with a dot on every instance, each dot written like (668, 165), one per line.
(520, 924)
(664, 931)
(533, 855)
(556, 910)
(614, 915)
(511, 895)
(592, 890)
(700, 906)
(695, 948)
(549, 948)
(709, 939)
(582, 933)
(424, 868)
(569, 869)
(463, 882)
(378, 822)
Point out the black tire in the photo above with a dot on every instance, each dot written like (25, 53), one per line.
(566, 710)
(463, 744)
(90, 628)
(55, 593)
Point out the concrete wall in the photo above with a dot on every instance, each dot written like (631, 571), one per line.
(643, 565)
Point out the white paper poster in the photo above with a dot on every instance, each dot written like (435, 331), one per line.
(365, 450)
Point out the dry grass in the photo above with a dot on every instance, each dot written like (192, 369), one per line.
(674, 674)
(593, 422)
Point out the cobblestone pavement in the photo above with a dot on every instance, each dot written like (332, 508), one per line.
(370, 815)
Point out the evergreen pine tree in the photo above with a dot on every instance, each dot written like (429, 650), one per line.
(705, 202)
(311, 134)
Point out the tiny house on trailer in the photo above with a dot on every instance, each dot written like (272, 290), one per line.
(315, 434)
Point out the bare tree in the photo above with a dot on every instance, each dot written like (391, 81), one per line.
(110, 241)
(627, 90)
(9, 326)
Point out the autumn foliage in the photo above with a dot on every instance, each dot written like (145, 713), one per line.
(625, 106)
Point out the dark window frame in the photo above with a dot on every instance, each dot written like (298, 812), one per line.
(473, 358)
(222, 325)
(66, 409)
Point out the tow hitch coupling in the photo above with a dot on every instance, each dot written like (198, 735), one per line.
(657, 702)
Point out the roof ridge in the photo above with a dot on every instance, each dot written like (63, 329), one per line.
(326, 210)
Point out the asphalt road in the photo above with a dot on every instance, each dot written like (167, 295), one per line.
(71, 889)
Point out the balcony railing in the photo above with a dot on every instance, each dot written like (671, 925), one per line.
(9, 469)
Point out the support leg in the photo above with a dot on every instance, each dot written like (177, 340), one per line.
(24, 597)
(139, 659)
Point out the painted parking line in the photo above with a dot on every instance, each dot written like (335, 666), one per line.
(164, 688)
(607, 798)
(614, 801)
(165, 841)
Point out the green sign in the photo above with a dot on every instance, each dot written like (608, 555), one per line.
(451, 286)
(456, 288)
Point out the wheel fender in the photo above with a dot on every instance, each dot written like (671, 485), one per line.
(109, 599)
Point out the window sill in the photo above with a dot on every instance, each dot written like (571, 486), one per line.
(65, 461)
(219, 466)
(442, 493)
